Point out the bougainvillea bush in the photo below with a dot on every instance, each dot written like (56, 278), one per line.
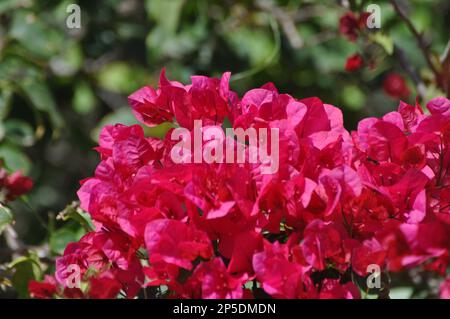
(340, 203)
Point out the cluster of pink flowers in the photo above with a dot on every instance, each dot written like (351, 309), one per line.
(339, 202)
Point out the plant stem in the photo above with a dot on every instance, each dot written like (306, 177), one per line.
(409, 69)
(420, 41)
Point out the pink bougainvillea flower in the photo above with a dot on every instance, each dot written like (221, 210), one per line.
(333, 289)
(43, 290)
(216, 282)
(280, 277)
(370, 252)
(439, 105)
(241, 259)
(176, 243)
(444, 290)
(151, 106)
(104, 287)
(322, 243)
(96, 253)
(206, 99)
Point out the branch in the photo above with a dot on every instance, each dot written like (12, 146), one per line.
(285, 20)
(420, 41)
(308, 12)
(322, 37)
(409, 69)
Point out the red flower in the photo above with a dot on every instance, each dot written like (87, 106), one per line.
(354, 62)
(43, 290)
(322, 243)
(206, 99)
(280, 277)
(14, 184)
(332, 289)
(394, 85)
(151, 106)
(176, 243)
(216, 283)
(350, 24)
(365, 254)
(439, 105)
(241, 259)
(98, 253)
(105, 287)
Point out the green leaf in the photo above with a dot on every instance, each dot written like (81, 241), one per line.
(254, 44)
(401, 292)
(15, 70)
(69, 61)
(25, 269)
(353, 97)
(32, 33)
(19, 132)
(7, 5)
(384, 41)
(41, 97)
(165, 13)
(5, 217)
(158, 131)
(124, 116)
(5, 100)
(161, 44)
(31, 81)
(74, 212)
(432, 91)
(14, 158)
(121, 77)
(422, 19)
(60, 238)
(84, 99)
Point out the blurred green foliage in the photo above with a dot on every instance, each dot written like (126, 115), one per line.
(59, 86)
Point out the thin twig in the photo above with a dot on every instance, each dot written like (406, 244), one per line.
(321, 38)
(409, 69)
(285, 20)
(307, 13)
(268, 60)
(420, 41)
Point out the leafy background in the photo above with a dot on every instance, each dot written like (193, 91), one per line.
(59, 86)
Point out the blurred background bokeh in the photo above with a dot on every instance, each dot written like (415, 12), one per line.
(58, 86)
